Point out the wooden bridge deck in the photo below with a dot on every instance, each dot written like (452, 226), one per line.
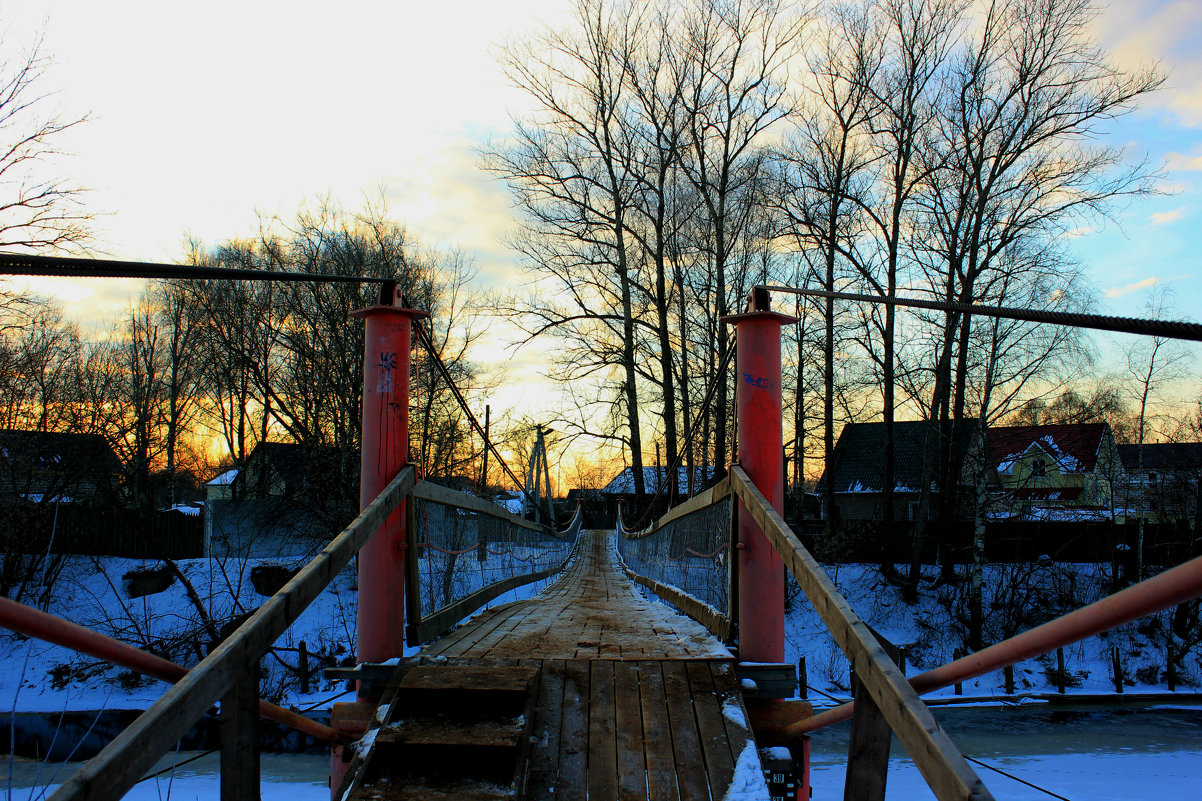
(632, 700)
(593, 611)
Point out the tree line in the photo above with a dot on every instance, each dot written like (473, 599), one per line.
(678, 154)
(198, 372)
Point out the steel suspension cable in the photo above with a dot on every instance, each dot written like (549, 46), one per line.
(1017, 779)
(705, 406)
(76, 267)
(424, 337)
(1171, 329)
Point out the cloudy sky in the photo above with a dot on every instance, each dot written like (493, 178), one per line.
(206, 114)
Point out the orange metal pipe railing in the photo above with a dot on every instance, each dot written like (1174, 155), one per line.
(1180, 584)
(34, 623)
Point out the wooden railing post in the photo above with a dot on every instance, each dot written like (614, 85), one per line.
(761, 581)
(868, 745)
(240, 738)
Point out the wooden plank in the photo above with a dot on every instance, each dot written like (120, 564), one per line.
(699, 501)
(413, 576)
(711, 725)
(729, 690)
(688, 755)
(602, 733)
(548, 721)
(135, 750)
(572, 784)
(869, 740)
(657, 734)
(240, 738)
(936, 756)
(466, 638)
(703, 613)
(632, 764)
(449, 497)
(446, 618)
(867, 749)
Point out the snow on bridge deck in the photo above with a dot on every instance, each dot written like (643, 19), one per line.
(630, 700)
(594, 611)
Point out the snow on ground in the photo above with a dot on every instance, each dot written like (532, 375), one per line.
(1017, 597)
(38, 677)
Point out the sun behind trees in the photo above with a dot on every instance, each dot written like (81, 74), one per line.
(198, 373)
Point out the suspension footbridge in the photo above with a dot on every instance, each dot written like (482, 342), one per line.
(590, 689)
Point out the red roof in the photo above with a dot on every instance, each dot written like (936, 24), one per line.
(1074, 446)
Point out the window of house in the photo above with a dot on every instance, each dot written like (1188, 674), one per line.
(1038, 468)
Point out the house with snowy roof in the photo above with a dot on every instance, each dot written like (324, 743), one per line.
(1162, 483)
(57, 467)
(657, 478)
(858, 467)
(1056, 473)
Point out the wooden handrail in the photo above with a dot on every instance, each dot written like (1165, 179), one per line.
(942, 765)
(124, 761)
(436, 493)
(699, 501)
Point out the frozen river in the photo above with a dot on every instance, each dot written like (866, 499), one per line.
(1082, 755)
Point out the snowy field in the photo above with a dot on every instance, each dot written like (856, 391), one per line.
(1111, 755)
(38, 677)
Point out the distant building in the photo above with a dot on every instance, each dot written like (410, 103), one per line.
(1166, 488)
(657, 478)
(621, 490)
(286, 500)
(221, 486)
(1067, 473)
(63, 467)
(858, 476)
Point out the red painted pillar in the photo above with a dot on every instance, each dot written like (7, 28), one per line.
(385, 450)
(761, 601)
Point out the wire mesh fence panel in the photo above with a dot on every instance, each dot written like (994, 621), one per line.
(463, 551)
(690, 553)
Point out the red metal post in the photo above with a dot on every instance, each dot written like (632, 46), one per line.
(761, 589)
(385, 450)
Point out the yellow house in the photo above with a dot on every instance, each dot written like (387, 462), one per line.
(1069, 472)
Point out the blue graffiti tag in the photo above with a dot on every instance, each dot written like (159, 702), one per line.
(755, 381)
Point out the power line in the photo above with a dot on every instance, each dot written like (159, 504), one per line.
(1126, 325)
(75, 267)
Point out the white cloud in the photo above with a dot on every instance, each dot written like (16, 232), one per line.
(1118, 292)
(1166, 217)
(1180, 162)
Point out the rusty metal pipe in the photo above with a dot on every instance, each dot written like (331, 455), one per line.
(34, 623)
(1180, 584)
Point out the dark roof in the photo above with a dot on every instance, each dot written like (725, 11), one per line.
(58, 451)
(623, 483)
(296, 465)
(858, 455)
(1074, 446)
(1163, 456)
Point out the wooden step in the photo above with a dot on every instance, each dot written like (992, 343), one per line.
(460, 731)
(464, 691)
(387, 790)
(448, 732)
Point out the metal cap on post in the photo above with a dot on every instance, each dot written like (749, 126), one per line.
(761, 591)
(385, 450)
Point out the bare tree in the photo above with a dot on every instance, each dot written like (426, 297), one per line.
(37, 211)
(1152, 362)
